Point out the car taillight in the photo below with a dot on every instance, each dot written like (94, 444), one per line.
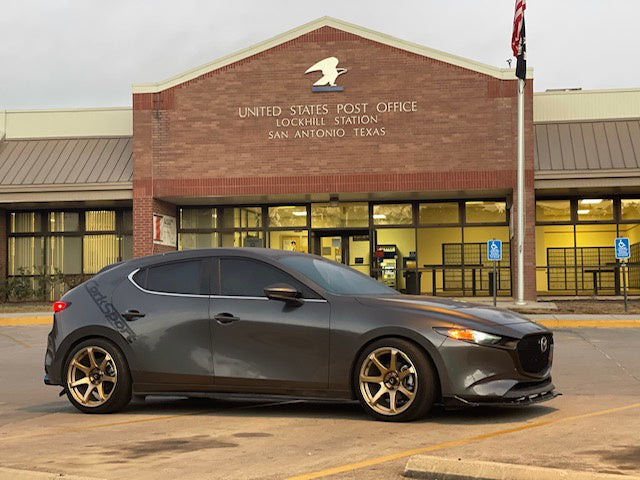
(59, 306)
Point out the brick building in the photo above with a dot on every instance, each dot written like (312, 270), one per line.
(391, 157)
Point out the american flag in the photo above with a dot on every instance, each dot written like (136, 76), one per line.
(518, 39)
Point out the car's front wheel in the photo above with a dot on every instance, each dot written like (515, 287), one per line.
(395, 381)
(97, 379)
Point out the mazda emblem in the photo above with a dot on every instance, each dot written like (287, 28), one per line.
(544, 344)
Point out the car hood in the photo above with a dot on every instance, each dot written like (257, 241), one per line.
(466, 314)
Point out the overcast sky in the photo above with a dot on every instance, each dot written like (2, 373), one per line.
(88, 53)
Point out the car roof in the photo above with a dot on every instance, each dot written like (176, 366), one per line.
(251, 252)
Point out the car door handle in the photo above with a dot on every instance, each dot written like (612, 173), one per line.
(225, 318)
(130, 315)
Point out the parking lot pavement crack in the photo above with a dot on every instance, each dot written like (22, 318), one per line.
(607, 356)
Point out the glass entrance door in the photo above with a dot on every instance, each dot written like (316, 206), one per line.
(350, 248)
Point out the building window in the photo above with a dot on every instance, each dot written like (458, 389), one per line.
(440, 213)
(577, 256)
(553, 211)
(25, 222)
(64, 221)
(393, 214)
(343, 215)
(630, 209)
(595, 209)
(72, 244)
(200, 218)
(242, 217)
(486, 212)
(288, 216)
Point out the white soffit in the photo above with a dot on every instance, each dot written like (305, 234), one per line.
(500, 73)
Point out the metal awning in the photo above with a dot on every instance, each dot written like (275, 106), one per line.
(66, 169)
(588, 155)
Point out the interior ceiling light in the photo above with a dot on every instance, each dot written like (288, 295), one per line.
(583, 211)
(591, 201)
(300, 213)
(379, 216)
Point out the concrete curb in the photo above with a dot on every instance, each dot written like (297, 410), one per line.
(13, 474)
(434, 468)
(27, 320)
(582, 316)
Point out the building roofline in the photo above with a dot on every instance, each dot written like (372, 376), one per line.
(500, 73)
(573, 105)
(66, 123)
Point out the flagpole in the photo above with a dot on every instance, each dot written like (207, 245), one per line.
(520, 202)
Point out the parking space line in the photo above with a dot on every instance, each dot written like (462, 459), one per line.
(454, 443)
(19, 321)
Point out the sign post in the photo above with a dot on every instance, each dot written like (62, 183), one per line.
(494, 254)
(623, 253)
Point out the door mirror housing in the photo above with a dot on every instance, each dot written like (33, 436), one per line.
(284, 292)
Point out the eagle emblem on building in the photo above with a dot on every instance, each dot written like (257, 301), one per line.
(330, 72)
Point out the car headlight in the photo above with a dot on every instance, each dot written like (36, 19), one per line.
(468, 335)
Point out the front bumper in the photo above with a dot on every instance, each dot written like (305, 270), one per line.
(458, 402)
(489, 375)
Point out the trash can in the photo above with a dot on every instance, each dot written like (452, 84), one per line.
(413, 282)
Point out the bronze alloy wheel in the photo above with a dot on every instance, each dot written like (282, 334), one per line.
(395, 380)
(388, 381)
(92, 376)
(97, 377)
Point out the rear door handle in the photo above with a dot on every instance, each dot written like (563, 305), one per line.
(225, 318)
(131, 314)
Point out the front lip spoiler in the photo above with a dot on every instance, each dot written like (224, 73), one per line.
(457, 402)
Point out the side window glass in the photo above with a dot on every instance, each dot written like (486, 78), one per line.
(178, 277)
(248, 278)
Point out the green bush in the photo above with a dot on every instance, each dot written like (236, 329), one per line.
(25, 287)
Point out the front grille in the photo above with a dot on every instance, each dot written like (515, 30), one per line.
(531, 355)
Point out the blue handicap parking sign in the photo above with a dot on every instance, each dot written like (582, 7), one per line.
(494, 250)
(622, 248)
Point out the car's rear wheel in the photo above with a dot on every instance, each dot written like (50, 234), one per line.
(97, 377)
(395, 381)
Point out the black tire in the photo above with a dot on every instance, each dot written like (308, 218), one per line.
(413, 380)
(96, 377)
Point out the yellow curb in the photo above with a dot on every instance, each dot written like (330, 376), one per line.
(17, 321)
(590, 323)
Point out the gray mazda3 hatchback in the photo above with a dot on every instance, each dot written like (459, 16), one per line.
(261, 321)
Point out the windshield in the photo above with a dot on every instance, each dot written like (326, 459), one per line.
(336, 278)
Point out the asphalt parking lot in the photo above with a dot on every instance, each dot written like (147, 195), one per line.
(594, 426)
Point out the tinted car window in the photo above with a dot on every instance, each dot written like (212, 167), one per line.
(336, 278)
(248, 278)
(178, 277)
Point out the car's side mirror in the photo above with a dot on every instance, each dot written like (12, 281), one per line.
(284, 292)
